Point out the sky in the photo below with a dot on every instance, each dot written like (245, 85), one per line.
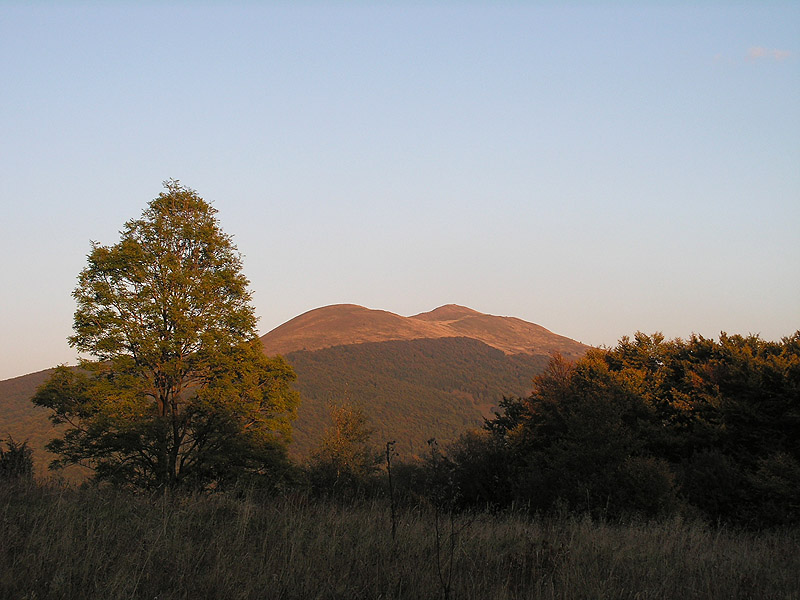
(597, 168)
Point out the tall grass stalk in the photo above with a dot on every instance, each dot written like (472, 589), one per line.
(57, 542)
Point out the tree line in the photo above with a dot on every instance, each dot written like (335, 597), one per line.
(179, 394)
(650, 426)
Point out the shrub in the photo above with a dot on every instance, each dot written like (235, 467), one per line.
(715, 484)
(16, 461)
(646, 487)
(776, 484)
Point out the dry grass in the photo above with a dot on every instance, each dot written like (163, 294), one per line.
(65, 543)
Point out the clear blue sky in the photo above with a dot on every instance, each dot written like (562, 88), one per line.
(597, 169)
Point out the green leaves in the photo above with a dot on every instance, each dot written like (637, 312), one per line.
(171, 285)
(626, 429)
(180, 385)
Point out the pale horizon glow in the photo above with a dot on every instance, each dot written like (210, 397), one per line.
(596, 168)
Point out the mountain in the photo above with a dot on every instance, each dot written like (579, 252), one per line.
(346, 324)
(434, 374)
(20, 419)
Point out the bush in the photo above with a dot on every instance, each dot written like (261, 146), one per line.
(715, 484)
(646, 487)
(776, 486)
(16, 461)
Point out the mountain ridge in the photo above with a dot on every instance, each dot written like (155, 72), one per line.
(345, 324)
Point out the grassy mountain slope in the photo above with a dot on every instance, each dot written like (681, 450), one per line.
(344, 324)
(20, 419)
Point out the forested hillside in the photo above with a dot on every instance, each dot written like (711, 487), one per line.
(410, 390)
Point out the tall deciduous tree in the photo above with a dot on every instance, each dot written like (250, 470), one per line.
(180, 391)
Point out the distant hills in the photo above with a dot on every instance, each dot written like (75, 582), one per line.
(348, 324)
(429, 375)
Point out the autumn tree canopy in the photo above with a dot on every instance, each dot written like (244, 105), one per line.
(646, 425)
(179, 391)
(345, 457)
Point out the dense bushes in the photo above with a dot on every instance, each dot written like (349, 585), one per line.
(646, 426)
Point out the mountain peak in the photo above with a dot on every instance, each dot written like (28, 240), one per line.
(343, 324)
(448, 312)
(346, 324)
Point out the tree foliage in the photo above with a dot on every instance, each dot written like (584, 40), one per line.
(345, 458)
(646, 425)
(180, 391)
(16, 460)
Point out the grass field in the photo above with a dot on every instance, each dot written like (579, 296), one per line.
(59, 542)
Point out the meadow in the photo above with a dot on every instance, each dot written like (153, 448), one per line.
(64, 542)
